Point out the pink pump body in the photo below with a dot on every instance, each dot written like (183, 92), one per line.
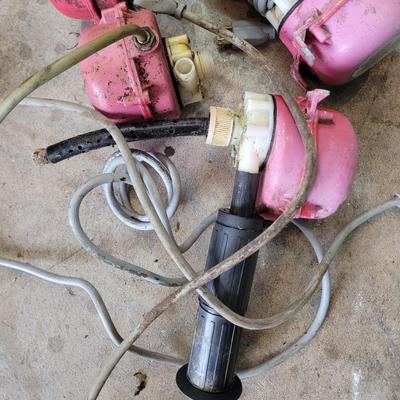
(124, 82)
(336, 165)
(340, 39)
(83, 9)
(127, 84)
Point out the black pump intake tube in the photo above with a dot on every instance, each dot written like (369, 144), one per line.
(210, 373)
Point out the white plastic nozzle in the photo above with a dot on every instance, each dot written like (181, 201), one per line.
(186, 74)
(189, 68)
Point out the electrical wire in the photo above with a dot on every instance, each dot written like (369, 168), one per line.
(243, 373)
(150, 317)
(95, 297)
(174, 297)
(41, 77)
(115, 337)
(90, 247)
(122, 208)
(10, 101)
(94, 250)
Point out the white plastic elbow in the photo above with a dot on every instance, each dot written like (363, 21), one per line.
(249, 133)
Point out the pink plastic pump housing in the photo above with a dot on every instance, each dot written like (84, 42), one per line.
(124, 81)
(83, 9)
(340, 39)
(336, 164)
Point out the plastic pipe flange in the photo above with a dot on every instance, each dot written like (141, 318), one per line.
(233, 393)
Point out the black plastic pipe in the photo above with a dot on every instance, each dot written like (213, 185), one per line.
(211, 372)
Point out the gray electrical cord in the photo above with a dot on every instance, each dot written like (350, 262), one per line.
(170, 245)
(140, 174)
(165, 304)
(115, 337)
(158, 218)
(90, 247)
(122, 208)
(94, 297)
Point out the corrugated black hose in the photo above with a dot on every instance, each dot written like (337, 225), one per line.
(132, 132)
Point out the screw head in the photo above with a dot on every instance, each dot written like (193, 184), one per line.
(145, 40)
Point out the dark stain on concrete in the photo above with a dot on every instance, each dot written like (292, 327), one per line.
(332, 352)
(22, 15)
(169, 151)
(24, 51)
(55, 344)
(60, 48)
(141, 382)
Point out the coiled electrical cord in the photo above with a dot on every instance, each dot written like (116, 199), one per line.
(122, 207)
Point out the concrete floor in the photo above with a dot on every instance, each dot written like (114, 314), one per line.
(51, 341)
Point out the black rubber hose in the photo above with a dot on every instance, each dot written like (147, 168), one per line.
(101, 138)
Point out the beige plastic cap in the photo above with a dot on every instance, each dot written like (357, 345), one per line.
(221, 126)
(204, 64)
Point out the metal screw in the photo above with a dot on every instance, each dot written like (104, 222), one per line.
(144, 40)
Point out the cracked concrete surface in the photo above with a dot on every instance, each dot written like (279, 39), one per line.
(51, 341)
